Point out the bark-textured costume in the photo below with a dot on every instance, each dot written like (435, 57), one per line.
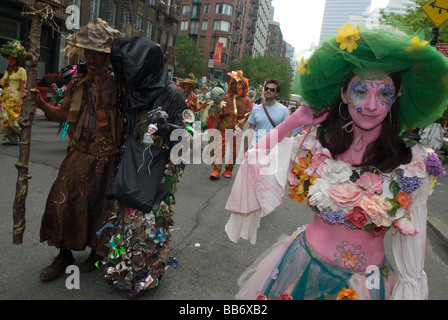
(77, 207)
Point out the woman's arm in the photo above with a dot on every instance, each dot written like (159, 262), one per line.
(58, 114)
(304, 116)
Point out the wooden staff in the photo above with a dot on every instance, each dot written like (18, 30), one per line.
(39, 12)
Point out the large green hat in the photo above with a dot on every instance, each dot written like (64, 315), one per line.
(424, 71)
(13, 48)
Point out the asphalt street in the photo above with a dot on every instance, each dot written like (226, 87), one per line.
(209, 264)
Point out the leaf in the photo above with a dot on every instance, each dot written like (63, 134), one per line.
(394, 188)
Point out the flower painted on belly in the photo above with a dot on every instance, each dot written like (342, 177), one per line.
(350, 256)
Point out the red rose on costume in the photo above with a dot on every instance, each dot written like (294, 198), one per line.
(358, 217)
(285, 296)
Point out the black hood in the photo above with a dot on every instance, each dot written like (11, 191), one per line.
(140, 65)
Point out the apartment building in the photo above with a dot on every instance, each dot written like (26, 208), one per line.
(155, 19)
(238, 26)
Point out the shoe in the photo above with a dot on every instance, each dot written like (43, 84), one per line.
(54, 270)
(227, 174)
(89, 264)
(215, 175)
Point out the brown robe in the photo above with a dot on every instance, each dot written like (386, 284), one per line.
(77, 207)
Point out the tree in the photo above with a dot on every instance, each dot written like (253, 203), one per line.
(261, 68)
(189, 58)
(415, 18)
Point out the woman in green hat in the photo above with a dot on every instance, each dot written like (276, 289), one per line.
(13, 84)
(353, 168)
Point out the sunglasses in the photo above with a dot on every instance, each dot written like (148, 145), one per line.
(270, 89)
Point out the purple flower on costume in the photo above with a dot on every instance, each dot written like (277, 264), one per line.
(408, 184)
(333, 217)
(434, 166)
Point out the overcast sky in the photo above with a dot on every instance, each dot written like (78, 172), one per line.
(301, 21)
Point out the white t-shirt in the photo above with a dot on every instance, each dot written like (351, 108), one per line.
(258, 117)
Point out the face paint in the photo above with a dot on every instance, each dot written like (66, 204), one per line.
(370, 100)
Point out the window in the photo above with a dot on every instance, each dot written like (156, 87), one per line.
(183, 25)
(221, 25)
(138, 22)
(206, 9)
(112, 12)
(224, 41)
(94, 9)
(185, 10)
(126, 18)
(170, 41)
(149, 30)
(202, 41)
(204, 25)
(224, 9)
(194, 27)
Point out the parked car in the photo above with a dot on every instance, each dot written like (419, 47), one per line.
(44, 85)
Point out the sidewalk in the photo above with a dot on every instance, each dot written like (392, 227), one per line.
(437, 208)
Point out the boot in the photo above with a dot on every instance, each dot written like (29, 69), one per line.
(89, 264)
(58, 266)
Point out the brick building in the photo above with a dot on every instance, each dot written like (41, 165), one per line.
(234, 24)
(155, 19)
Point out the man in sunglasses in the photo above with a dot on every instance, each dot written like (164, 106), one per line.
(266, 115)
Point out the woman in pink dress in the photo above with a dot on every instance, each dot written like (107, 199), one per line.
(354, 167)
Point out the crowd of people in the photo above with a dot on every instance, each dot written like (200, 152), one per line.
(343, 153)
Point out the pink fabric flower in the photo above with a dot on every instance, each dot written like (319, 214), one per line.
(358, 217)
(345, 195)
(371, 182)
(376, 208)
(405, 226)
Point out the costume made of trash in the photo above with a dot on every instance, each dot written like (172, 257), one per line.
(140, 249)
(77, 207)
(340, 254)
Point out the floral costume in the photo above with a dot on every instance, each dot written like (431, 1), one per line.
(356, 206)
(11, 100)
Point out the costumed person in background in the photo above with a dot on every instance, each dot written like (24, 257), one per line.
(267, 115)
(77, 209)
(354, 170)
(210, 115)
(191, 99)
(146, 179)
(234, 116)
(13, 84)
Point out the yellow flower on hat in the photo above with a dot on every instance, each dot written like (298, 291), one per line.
(348, 37)
(304, 67)
(416, 44)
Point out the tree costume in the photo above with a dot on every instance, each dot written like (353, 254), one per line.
(77, 207)
(340, 254)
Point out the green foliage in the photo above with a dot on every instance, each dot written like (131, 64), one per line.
(189, 59)
(261, 68)
(415, 19)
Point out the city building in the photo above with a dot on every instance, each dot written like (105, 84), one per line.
(155, 19)
(225, 30)
(337, 14)
(371, 17)
(275, 46)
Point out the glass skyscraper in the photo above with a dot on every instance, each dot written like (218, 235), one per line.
(337, 13)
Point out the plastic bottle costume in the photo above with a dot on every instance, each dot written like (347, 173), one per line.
(140, 247)
(340, 254)
(11, 99)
